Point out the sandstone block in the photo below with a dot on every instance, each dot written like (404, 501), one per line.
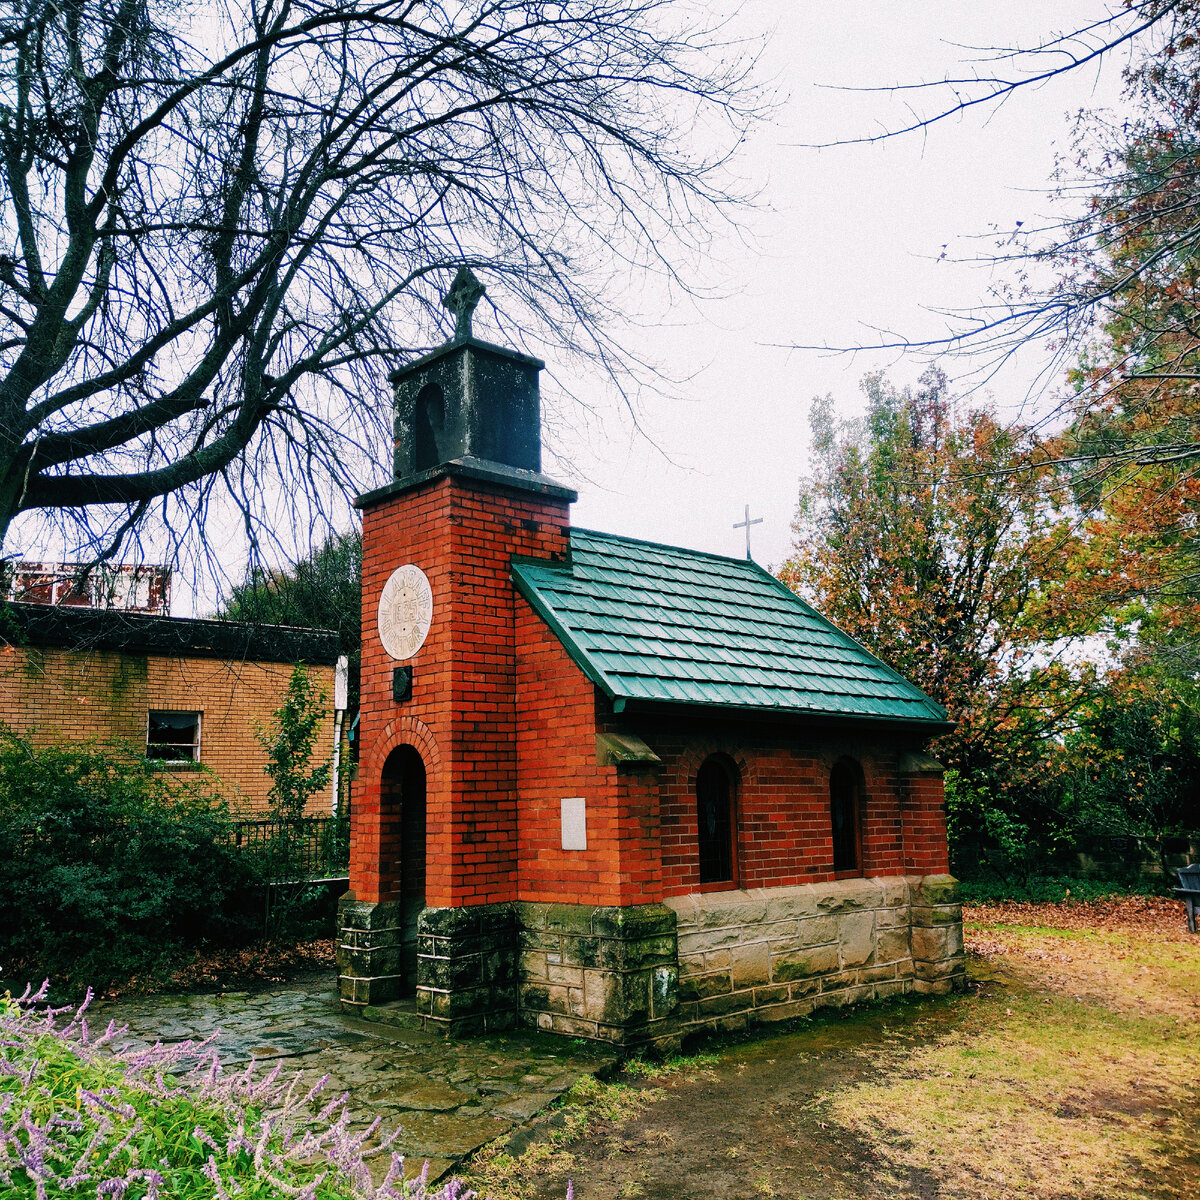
(803, 964)
(936, 889)
(772, 994)
(938, 969)
(571, 976)
(779, 931)
(876, 974)
(891, 945)
(533, 965)
(579, 951)
(751, 964)
(362, 914)
(633, 922)
(719, 909)
(733, 1002)
(931, 945)
(699, 987)
(932, 987)
(709, 939)
(664, 991)
(788, 903)
(601, 990)
(856, 935)
(621, 954)
(804, 987)
(939, 914)
(847, 895)
(846, 995)
(838, 980)
(817, 931)
(686, 909)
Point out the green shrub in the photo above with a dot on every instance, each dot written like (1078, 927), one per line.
(109, 865)
(1051, 889)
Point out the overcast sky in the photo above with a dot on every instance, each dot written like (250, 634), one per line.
(844, 242)
(847, 240)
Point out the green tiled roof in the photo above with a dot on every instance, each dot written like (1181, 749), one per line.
(657, 624)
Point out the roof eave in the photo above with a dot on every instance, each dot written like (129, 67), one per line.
(576, 652)
(928, 727)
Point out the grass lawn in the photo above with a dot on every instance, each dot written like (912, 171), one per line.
(1066, 1070)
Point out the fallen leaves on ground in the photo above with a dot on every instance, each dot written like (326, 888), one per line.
(1162, 917)
(1070, 1072)
(1129, 952)
(261, 962)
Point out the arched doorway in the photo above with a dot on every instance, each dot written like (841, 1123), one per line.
(402, 820)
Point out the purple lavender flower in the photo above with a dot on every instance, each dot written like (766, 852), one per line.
(248, 1127)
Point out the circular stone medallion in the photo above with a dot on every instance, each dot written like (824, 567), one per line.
(405, 612)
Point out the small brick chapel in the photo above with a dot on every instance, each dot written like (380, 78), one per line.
(609, 788)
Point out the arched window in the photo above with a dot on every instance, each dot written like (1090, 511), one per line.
(429, 416)
(845, 818)
(714, 821)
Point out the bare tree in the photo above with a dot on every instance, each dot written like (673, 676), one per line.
(225, 220)
(1066, 305)
(1109, 290)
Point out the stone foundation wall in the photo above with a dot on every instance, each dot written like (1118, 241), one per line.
(467, 968)
(604, 973)
(646, 974)
(369, 953)
(775, 953)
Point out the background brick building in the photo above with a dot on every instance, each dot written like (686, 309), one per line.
(185, 691)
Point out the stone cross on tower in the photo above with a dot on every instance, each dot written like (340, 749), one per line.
(465, 292)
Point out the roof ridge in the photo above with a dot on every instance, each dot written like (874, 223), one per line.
(620, 537)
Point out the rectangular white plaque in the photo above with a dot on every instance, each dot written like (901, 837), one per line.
(574, 823)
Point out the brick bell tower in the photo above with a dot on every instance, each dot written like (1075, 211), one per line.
(433, 865)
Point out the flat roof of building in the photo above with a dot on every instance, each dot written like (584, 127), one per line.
(71, 627)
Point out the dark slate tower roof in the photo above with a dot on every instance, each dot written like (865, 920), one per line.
(468, 408)
(655, 625)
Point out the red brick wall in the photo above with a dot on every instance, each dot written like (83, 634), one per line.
(783, 834)
(556, 758)
(642, 835)
(462, 714)
(925, 848)
(53, 695)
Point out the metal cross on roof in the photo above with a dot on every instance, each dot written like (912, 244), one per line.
(465, 292)
(746, 526)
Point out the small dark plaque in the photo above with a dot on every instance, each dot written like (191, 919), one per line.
(402, 678)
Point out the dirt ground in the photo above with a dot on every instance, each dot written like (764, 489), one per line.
(1064, 1071)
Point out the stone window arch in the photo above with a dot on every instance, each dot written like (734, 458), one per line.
(845, 817)
(716, 821)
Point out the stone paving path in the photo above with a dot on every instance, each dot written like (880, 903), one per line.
(449, 1097)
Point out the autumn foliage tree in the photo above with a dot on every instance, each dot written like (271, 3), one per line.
(929, 531)
(1133, 441)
